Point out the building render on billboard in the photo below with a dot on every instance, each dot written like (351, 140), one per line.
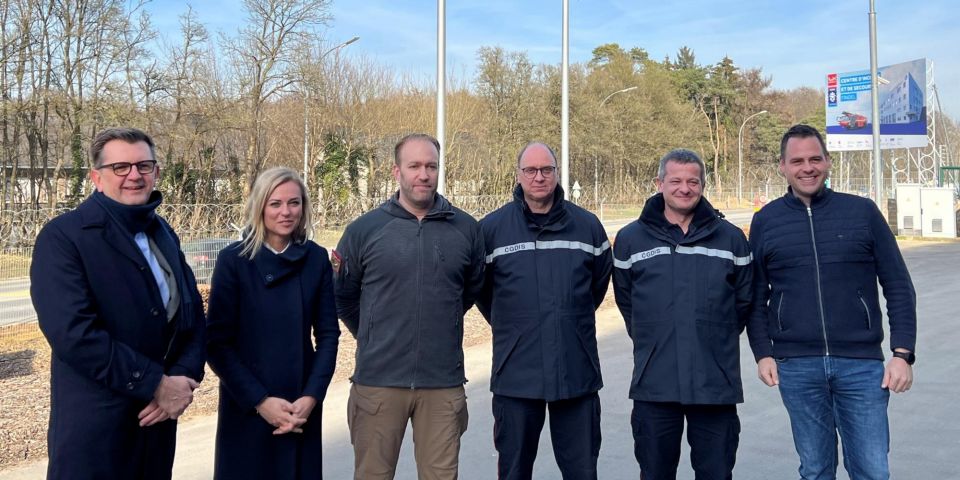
(904, 103)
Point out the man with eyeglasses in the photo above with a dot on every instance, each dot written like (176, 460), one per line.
(682, 282)
(121, 311)
(548, 266)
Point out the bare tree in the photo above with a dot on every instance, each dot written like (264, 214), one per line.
(264, 62)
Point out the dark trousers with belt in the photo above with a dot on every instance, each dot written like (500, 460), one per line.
(574, 429)
(713, 432)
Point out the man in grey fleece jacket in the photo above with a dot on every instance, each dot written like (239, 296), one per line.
(405, 273)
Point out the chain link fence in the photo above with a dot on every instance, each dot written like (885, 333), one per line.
(205, 229)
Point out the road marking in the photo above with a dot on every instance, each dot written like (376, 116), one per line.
(16, 294)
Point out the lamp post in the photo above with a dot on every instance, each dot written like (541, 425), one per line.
(565, 102)
(875, 110)
(596, 158)
(306, 117)
(740, 156)
(441, 95)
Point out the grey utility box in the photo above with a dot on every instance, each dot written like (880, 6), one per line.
(908, 209)
(937, 212)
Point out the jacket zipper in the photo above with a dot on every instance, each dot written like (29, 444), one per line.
(816, 262)
(869, 323)
(416, 350)
(780, 307)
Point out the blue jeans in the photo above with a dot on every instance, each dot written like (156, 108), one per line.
(824, 395)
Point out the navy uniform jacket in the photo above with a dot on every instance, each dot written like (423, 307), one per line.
(543, 285)
(100, 308)
(685, 299)
(264, 315)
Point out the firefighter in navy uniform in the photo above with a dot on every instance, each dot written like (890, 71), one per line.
(548, 266)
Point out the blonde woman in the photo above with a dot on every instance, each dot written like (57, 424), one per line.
(270, 291)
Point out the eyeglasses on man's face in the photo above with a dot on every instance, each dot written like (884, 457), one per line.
(122, 169)
(531, 172)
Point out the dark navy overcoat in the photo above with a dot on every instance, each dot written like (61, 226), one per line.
(264, 317)
(100, 309)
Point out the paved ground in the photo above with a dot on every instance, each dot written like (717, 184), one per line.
(15, 306)
(924, 426)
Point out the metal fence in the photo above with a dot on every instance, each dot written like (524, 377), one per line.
(205, 229)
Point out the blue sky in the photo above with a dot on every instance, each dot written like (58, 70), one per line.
(796, 48)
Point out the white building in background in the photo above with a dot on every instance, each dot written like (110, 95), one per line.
(904, 103)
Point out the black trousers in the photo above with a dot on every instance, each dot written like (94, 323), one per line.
(713, 432)
(574, 429)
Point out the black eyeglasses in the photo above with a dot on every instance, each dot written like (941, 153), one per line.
(122, 169)
(531, 172)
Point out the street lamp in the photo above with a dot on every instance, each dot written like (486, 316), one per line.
(441, 95)
(740, 156)
(306, 117)
(596, 158)
(628, 89)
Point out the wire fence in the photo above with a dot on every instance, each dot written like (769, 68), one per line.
(207, 228)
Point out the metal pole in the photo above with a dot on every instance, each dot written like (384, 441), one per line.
(441, 90)
(306, 137)
(565, 105)
(875, 103)
(740, 157)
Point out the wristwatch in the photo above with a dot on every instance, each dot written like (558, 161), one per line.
(908, 357)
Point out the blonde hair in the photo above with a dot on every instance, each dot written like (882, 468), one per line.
(254, 229)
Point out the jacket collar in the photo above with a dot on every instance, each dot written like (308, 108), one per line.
(274, 267)
(441, 210)
(556, 216)
(818, 201)
(705, 219)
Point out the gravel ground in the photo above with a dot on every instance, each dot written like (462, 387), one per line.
(25, 386)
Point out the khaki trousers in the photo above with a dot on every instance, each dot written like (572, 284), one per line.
(377, 417)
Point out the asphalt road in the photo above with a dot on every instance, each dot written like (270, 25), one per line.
(925, 429)
(15, 305)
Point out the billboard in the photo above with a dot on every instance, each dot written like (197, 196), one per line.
(903, 108)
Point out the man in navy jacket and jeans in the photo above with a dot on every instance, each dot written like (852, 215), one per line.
(682, 282)
(548, 266)
(816, 327)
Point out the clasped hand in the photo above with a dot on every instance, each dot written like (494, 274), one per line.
(173, 396)
(286, 416)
